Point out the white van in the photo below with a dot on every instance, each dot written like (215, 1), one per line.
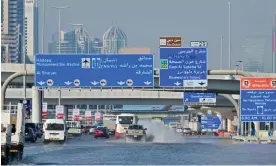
(55, 130)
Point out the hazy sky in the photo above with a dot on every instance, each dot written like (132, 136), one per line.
(144, 21)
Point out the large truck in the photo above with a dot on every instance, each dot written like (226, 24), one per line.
(13, 132)
(109, 121)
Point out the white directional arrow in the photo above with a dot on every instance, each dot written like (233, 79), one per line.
(177, 83)
(121, 83)
(94, 83)
(68, 82)
(41, 83)
(147, 83)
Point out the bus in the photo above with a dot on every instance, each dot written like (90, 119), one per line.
(122, 123)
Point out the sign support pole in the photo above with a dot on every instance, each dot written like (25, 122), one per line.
(59, 97)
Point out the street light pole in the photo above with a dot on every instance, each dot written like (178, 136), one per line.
(221, 51)
(229, 33)
(88, 51)
(43, 24)
(59, 8)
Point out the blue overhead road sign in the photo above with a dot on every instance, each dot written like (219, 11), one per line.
(258, 99)
(183, 67)
(210, 122)
(100, 70)
(199, 98)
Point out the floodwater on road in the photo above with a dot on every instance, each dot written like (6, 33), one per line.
(167, 148)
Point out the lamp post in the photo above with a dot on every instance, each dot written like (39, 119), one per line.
(229, 33)
(59, 8)
(221, 51)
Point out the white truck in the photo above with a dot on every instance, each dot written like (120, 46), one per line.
(74, 129)
(12, 133)
(109, 121)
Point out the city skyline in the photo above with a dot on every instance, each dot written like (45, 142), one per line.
(145, 31)
(144, 27)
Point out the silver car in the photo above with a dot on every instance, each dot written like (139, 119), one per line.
(187, 131)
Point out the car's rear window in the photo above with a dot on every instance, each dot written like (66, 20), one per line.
(135, 127)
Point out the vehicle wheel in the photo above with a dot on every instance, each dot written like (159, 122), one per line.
(95, 137)
(20, 155)
(45, 142)
(33, 140)
(61, 142)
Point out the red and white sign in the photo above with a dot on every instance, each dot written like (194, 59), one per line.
(76, 114)
(256, 83)
(98, 116)
(44, 110)
(59, 112)
(88, 115)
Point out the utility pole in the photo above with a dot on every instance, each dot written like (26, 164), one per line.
(229, 33)
(43, 24)
(59, 8)
(221, 51)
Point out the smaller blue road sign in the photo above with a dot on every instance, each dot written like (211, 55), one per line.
(210, 122)
(258, 99)
(99, 70)
(183, 67)
(27, 104)
(199, 98)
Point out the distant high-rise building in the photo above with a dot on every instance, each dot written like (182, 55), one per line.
(75, 42)
(12, 29)
(66, 46)
(254, 51)
(113, 40)
(31, 28)
(96, 46)
(274, 45)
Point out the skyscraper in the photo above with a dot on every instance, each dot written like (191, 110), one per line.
(31, 28)
(75, 42)
(254, 51)
(113, 40)
(274, 45)
(11, 21)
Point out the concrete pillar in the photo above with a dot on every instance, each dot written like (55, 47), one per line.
(257, 126)
(65, 113)
(224, 123)
(36, 105)
(274, 125)
(229, 125)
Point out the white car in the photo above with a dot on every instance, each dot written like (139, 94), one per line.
(92, 129)
(179, 130)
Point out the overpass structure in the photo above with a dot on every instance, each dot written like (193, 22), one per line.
(216, 83)
(107, 97)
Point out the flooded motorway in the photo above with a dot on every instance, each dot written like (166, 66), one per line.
(167, 148)
(192, 151)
